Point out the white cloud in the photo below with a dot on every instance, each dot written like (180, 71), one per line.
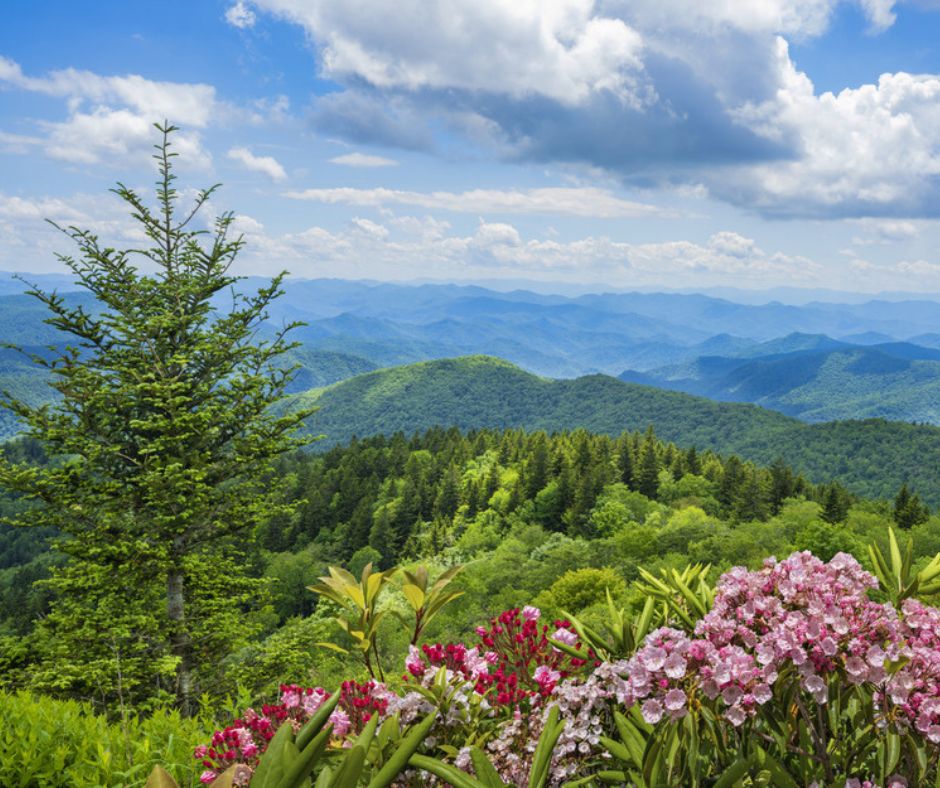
(110, 118)
(363, 160)
(679, 92)
(586, 201)
(561, 49)
(407, 247)
(17, 143)
(266, 165)
(864, 151)
(240, 16)
(29, 243)
(884, 231)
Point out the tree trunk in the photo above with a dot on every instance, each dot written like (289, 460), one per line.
(179, 640)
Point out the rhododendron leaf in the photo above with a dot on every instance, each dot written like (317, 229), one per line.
(896, 562)
(450, 774)
(564, 647)
(622, 751)
(318, 720)
(298, 774)
(778, 773)
(414, 595)
(484, 770)
(445, 578)
(278, 757)
(542, 758)
(408, 747)
(440, 601)
(690, 597)
(331, 646)
(344, 578)
(733, 773)
(347, 775)
(368, 733)
(227, 778)
(644, 620)
(160, 778)
(631, 737)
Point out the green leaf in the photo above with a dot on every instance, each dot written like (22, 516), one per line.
(484, 770)
(399, 759)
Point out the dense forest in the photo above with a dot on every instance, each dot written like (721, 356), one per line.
(591, 507)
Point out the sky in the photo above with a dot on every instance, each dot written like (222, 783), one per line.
(617, 143)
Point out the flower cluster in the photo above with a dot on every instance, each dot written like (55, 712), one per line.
(527, 666)
(912, 693)
(245, 740)
(811, 622)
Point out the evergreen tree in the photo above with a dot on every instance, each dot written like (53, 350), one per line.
(165, 440)
(649, 466)
(625, 460)
(536, 469)
(908, 509)
(782, 484)
(836, 502)
(692, 463)
(732, 478)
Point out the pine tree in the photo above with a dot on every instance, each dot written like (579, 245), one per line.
(164, 439)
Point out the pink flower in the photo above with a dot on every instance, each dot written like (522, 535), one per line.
(565, 636)
(735, 715)
(414, 664)
(207, 776)
(339, 719)
(530, 613)
(675, 700)
(652, 711)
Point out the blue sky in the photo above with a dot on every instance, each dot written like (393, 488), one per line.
(672, 143)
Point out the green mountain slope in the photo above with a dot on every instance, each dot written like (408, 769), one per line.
(896, 380)
(871, 457)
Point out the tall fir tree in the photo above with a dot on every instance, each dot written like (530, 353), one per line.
(162, 440)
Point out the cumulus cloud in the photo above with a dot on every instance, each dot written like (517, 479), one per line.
(267, 165)
(111, 117)
(584, 201)
(661, 94)
(561, 49)
(873, 150)
(363, 160)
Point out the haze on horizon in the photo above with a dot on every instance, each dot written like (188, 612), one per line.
(752, 144)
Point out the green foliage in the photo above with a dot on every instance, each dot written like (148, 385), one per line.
(896, 574)
(480, 392)
(160, 441)
(46, 742)
(578, 589)
(426, 602)
(359, 601)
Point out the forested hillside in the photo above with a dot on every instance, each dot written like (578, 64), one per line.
(822, 381)
(872, 458)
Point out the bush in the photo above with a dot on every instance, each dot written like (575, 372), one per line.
(46, 742)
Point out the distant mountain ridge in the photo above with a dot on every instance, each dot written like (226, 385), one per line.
(669, 340)
(872, 457)
(815, 379)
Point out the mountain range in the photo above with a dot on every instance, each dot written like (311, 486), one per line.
(872, 457)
